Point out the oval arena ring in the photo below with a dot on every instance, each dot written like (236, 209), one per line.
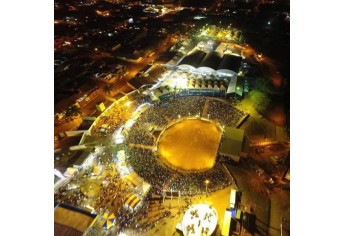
(189, 144)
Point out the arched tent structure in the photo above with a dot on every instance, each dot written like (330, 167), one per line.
(230, 63)
(193, 59)
(211, 62)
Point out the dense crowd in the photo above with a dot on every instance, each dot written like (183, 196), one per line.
(146, 163)
(112, 195)
(194, 183)
(224, 113)
(161, 177)
(112, 118)
(184, 106)
(113, 190)
(69, 195)
(158, 116)
(161, 113)
(140, 135)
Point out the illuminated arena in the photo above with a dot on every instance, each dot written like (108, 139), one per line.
(174, 144)
(189, 145)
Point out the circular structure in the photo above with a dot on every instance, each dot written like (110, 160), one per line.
(190, 145)
(200, 219)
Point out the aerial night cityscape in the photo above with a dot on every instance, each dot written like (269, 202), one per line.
(171, 117)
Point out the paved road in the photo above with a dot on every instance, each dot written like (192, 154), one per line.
(280, 208)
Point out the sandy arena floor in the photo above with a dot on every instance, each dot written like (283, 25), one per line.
(190, 145)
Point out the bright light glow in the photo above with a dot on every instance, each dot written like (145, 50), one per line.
(90, 159)
(90, 207)
(121, 164)
(199, 17)
(128, 103)
(142, 107)
(181, 82)
(59, 174)
(118, 136)
(129, 123)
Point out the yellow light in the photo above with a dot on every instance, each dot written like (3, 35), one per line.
(128, 103)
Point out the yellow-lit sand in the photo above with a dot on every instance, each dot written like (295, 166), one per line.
(190, 145)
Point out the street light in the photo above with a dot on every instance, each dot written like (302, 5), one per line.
(207, 182)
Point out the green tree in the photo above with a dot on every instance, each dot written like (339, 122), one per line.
(73, 111)
(265, 85)
(241, 38)
(260, 100)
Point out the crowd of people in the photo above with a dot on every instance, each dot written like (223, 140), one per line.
(140, 134)
(183, 106)
(224, 113)
(70, 195)
(112, 118)
(159, 115)
(110, 198)
(108, 122)
(146, 163)
(195, 183)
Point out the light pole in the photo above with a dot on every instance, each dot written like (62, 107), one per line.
(207, 182)
(238, 88)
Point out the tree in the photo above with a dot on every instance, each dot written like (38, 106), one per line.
(265, 85)
(108, 89)
(241, 38)
(260, 100)
(73, 111)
